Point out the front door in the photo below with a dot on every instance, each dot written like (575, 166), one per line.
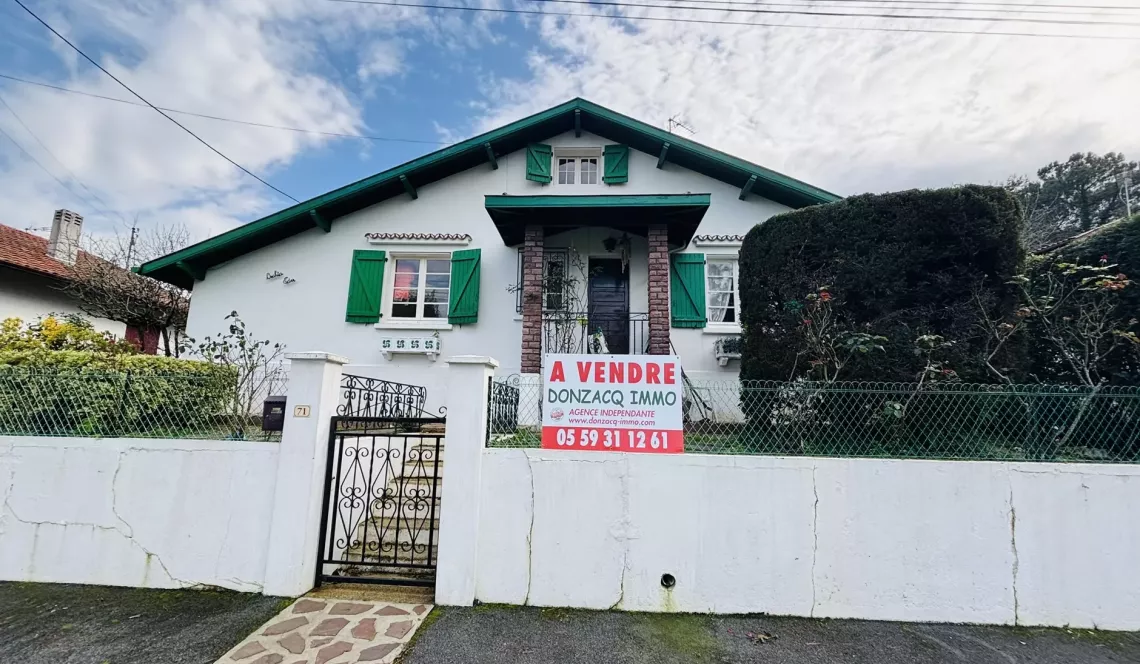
(608, 302)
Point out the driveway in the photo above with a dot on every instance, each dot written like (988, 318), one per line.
(508, 635)
(43, 623)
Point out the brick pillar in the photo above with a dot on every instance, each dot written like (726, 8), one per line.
(658, 290)
(532, 301)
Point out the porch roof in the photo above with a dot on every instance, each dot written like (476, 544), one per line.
(681, 213)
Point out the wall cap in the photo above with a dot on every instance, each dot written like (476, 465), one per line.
(317, 355)
(485, 360)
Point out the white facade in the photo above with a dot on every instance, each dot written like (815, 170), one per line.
(29, 296)
(309, 311)
(942, 541)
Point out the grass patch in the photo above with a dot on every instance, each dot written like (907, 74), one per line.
(428, 621)
(690, 636)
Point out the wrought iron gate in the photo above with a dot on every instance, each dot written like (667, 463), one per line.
(380, 521)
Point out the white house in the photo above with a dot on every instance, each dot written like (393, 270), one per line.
(577, 229)
(34, 271)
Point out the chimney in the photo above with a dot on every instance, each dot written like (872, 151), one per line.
(63, 244)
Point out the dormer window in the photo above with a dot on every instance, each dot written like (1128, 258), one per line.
(578, 166)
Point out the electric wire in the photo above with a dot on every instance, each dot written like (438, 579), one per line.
(144, 100)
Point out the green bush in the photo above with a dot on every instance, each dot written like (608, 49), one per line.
(1116, 243)
(86, 393)
(901, 265)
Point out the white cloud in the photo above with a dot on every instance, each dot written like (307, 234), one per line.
(266, 61)
(381, 59)
(848, 111)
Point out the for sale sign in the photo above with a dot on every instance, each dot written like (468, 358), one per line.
(612, 403)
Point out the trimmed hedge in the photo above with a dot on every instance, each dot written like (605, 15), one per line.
(83, 393)
(899, 265)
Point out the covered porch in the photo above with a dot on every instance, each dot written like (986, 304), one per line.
(595, 269)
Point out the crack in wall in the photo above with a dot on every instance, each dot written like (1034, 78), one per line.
(814, 536)
(625, 525)
(126, 530)
(1013, 548)
(529, 534)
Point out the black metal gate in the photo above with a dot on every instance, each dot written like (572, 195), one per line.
(380, 521)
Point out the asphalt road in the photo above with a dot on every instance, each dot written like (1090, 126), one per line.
(508, 635)
(42, 623)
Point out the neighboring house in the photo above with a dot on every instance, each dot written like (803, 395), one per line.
(34, 272)
(573, 230)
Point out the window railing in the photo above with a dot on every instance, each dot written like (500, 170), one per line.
(583, 332)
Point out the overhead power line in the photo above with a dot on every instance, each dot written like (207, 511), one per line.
(156, 109)
(755, 24)
(812, 12)
(923, 5)
(223, 119)
(43, 168)
(57, 160)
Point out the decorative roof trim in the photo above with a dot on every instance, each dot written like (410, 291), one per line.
(444, 163)
(419, 238)
(718, 240)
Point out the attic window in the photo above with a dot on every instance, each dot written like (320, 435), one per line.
(578, 166)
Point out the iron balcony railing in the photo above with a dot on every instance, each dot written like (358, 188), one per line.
(372, 397)
(601, 333)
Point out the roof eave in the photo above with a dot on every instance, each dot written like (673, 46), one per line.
(176, 268)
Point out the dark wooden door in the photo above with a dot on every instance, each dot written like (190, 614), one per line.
(608, 301)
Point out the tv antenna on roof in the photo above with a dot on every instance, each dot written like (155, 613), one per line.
(674, 123)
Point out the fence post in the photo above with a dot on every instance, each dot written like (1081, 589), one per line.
(314, 381)
(468, 391)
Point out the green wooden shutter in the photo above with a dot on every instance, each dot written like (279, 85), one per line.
(538, 157)
(365, 285)
(616, 164)
(463, 307)
(687, 290)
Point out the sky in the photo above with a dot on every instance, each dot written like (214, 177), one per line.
(849, 104)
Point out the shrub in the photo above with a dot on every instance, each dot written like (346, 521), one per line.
(60, 332)
(74, 392)
(893, 267)
(1117, 246)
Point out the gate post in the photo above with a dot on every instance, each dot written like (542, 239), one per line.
(468, 390)
(314, 381)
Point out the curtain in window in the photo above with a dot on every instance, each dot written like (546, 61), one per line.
(720, 290)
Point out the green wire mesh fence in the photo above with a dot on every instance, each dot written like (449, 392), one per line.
(886, 420)
(130, 404)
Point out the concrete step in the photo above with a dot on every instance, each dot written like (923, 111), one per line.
(398, 554)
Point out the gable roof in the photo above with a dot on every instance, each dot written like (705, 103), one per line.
(29, 252)
(183, 266)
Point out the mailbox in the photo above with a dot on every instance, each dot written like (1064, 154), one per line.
(273, 414)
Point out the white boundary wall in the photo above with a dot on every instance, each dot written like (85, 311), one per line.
(974, 542)
(136, 512)
(162, 513)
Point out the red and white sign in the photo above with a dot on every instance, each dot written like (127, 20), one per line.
(612, 403)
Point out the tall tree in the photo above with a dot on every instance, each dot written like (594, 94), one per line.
(1076, 195)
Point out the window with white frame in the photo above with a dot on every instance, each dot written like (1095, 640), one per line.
(420, 287)
(722, 293)
(578, 166)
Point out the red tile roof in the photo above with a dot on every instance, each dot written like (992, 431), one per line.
(29, 252)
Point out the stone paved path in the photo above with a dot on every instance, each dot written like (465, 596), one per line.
(331, 631)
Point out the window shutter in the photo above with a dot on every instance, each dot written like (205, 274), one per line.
(616, 164)
(365, 286)
(687, 290)
(538, 157)
(463, 308)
